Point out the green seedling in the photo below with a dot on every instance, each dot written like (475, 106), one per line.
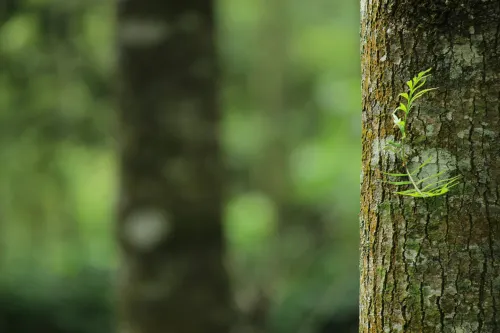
(430, 186)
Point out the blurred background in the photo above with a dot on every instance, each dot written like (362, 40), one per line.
(291, 134)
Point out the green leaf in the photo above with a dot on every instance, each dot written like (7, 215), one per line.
(402, 128)
(419, 85)
(421, 74)
(448, 181)
(395, 174)
(406, 182)
(431, 176)
(395, 144)
(422, 92)
(411, 193)
(421, 166)
(405, 96)
(402, 107)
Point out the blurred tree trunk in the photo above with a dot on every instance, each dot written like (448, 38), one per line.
(432, 265)
(170, 211)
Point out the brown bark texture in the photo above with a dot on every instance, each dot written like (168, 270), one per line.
(432, 264)
(172, 277)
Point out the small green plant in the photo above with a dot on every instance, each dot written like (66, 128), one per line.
(430, 186)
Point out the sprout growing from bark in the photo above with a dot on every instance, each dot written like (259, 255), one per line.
(429, 186)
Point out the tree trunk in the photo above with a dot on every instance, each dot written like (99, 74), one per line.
(432, 264)
(170, 211)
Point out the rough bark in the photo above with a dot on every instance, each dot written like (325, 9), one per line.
(170, 211)
(432, 265)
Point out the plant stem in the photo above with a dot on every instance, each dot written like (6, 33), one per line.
(413, 182)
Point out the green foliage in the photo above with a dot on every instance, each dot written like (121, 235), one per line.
(432, 185)
(251, 221)
(40, 303)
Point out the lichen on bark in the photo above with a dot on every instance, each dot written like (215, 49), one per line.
(431, 265)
